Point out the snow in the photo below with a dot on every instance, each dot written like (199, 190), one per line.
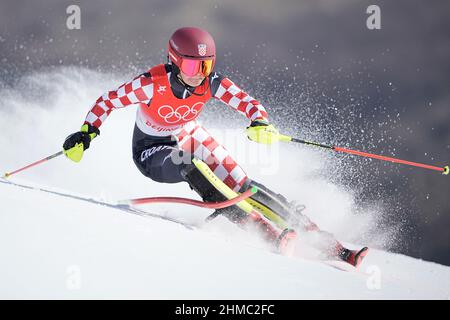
(58, 240)
(55, 246)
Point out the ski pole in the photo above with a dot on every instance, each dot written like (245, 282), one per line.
(444, 170)
(7, 174)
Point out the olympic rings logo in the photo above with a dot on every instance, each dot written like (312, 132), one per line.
(183, 112)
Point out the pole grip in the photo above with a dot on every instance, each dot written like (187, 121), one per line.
(284, 138)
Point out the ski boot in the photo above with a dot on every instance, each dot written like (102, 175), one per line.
(285, 242)
(300, 220)
(353, 257)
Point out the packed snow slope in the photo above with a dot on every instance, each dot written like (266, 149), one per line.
(62, 236)
(55, 245)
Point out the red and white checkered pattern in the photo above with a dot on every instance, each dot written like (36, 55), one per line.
(233, 96)
(192, 138)
(139, 90)
(196, 140)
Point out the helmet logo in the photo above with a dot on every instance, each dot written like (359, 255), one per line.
(174, 44)
(202, 49)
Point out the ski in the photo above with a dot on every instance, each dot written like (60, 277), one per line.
(118, 206)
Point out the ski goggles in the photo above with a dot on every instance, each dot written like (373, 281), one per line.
(193, 67)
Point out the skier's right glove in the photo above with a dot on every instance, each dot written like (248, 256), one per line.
(77, 142)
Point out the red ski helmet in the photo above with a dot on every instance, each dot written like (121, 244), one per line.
(193, 51)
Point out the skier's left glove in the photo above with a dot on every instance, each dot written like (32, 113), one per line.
(77, 142)
(262, 132)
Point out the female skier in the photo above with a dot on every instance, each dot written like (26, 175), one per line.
(169, 98)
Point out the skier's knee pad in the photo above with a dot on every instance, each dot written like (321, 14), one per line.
(274, 201)
(200, 184)
(209, 193)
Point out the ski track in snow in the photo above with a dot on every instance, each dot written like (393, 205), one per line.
(121, 207)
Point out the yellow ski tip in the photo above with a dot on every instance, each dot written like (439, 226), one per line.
(446, 170)
(6, 175)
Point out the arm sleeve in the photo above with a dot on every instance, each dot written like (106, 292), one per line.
(229, 93)
(138, 90)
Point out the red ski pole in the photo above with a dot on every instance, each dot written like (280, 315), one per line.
(33, 164)
(444, 170)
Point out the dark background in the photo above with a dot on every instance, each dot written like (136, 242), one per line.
(315, 66)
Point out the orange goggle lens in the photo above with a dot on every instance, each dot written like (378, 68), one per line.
(193, 67)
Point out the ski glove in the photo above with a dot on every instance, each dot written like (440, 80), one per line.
(77, 142)
(262, 132)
